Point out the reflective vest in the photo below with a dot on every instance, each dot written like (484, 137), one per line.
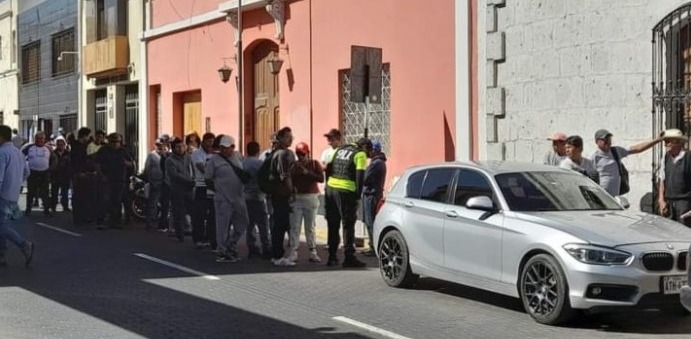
(345, 162)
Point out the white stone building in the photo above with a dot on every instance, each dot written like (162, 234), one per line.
(575, 67)
(9, 92)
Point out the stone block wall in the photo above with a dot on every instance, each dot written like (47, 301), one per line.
(568, 66)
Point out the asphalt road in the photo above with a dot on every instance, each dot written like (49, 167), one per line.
(132, 283)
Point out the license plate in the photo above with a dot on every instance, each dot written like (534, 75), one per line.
(673, 284)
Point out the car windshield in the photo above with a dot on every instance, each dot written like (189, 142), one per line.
(553, 191)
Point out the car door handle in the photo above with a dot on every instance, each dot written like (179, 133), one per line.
(408, 204)
(451, 214)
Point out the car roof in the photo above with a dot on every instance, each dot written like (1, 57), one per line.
(493, 167)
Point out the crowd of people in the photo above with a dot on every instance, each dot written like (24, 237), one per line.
(200, 183)
(263, 196)
(604, 166)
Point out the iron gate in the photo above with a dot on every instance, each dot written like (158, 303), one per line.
(379, 117)
(671, 81)
(131, 136)
(100, 123)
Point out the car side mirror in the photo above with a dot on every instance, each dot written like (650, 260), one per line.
(623, 202)
(482, 203)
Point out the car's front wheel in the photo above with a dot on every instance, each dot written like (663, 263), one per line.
(544, 290)
(394, 264)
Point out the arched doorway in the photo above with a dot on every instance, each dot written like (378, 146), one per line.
(263, 113)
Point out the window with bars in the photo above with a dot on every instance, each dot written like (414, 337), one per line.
(31, 62)
(63, 63)
(377, 119)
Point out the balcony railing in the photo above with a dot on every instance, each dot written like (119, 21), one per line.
(107, 57)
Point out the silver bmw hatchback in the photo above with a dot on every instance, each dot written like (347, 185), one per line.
(551, 237)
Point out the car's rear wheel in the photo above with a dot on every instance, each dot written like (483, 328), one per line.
(544, 291)
(394, 264)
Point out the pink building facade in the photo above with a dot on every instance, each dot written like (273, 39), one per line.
(187, 42)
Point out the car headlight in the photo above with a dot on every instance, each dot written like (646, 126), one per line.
(595, 255)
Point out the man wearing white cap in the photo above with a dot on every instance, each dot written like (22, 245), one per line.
(222, 173)
(607, 160)
(674, 193)
(558, 151)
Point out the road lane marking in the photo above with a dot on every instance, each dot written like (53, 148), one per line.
(58, 229)
(177, 267)
(370, 328)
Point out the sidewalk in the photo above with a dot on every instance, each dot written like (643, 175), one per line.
(321, 232)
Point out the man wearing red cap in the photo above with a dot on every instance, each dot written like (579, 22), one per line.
(558, 152)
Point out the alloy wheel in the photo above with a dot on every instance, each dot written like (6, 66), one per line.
(391, 258)
(541, 288)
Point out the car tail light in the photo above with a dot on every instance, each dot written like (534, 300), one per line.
(380, 204)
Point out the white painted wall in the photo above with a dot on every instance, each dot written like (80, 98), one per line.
(575, 67)
(9, 90)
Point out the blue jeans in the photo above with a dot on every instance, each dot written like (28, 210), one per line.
(9, 210)
(369, 211)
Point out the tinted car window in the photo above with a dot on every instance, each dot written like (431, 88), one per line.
(436, 185)
(471, 184)
(414, 186)
(553, 191)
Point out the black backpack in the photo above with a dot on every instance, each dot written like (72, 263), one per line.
(266, 180)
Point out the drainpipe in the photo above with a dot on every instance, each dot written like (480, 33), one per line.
(144, 86)
(80, 76)
(241, 95)
(311, 79)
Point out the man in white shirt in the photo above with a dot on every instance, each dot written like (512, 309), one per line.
(38, 156)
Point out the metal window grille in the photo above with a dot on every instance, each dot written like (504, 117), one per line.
(131, 136)
(68, 122)
(671, 85)
(31, 62)
(63, 42)
(101, 110)
(378, 119)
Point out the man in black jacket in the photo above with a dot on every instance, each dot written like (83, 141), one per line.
(373, 189)
(674, 194)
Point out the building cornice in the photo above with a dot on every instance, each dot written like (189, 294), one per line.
(223, 10)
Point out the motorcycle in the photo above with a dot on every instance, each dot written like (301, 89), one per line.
(139, 191)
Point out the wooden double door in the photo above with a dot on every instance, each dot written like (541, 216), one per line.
(265, 118)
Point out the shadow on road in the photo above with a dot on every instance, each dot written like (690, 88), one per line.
(96, 274)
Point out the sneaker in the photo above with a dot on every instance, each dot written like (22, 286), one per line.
(369, 253)
(314, 257)
(222, 258)
(283, 262)
(232, 257)
(353, 262)
(199, 245)
(28, 252)
(333, 261)
(293, 256)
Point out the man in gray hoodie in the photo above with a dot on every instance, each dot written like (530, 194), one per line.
(154, 175)
(180, 179)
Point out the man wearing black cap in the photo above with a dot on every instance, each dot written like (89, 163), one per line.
(607, 159)
(113, 162)
(334, 138)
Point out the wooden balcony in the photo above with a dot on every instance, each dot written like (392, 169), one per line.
(107, 57)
